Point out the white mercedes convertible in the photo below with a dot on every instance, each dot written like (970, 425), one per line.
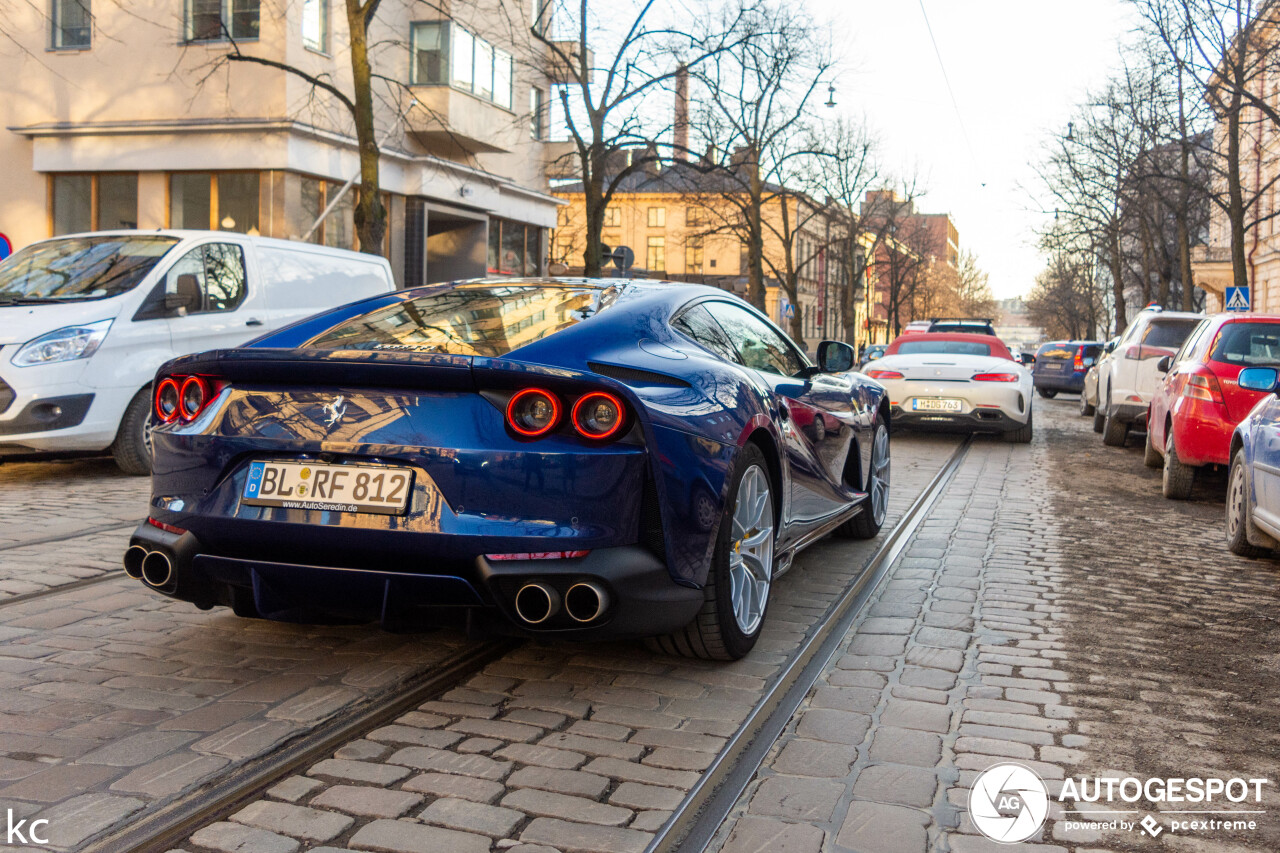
(953, 381)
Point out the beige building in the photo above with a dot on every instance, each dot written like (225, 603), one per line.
(677, 222)
(127, 115)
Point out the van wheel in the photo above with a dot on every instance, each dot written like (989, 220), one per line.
(132, 447)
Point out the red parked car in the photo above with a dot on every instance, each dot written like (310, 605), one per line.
(1198, 404)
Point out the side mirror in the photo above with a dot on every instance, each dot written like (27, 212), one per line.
(1164, 364)
(1258, 379)
(1110, 347)
(835, 357)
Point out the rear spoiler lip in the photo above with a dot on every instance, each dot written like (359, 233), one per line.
(387, 369)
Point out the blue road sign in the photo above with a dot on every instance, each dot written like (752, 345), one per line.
(6, 248)
(1236, 299)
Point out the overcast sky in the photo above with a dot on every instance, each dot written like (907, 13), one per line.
(1017, 68)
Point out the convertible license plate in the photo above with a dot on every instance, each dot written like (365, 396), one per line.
(936, 405)
(345, 488)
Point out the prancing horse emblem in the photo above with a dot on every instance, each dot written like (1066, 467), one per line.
(335, 410)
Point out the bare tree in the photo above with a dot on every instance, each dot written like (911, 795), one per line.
(850, 168)
(1065, 299)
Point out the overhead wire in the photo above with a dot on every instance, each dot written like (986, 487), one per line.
(964, 131)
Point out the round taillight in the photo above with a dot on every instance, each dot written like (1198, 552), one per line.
(167, 396)
(533, 412)
(598, 415)
(194, 394)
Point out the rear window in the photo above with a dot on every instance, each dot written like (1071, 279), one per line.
(1249, 344)
(1092, 351)
(943, 348)
(476, 319)
(1168, 333)
(966, 328)
(1056, 350)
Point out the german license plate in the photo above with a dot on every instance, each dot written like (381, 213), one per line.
(928, 405)
(344, 488)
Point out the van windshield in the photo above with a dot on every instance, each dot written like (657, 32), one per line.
(80, 268)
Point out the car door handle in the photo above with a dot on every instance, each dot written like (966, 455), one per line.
(253, 321)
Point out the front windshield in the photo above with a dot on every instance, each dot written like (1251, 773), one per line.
(79, 268)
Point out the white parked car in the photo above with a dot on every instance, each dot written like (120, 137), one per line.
(956, 382)
(86, 319)
(1127, 379)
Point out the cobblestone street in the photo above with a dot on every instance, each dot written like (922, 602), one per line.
(1051, 608)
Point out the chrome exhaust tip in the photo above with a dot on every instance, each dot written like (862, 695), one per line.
(536, 603)
(157, 570)
(133, 559)
(586, 602)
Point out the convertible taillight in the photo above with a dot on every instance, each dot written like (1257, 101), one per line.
(533, 412)
(995, 377)
(183, 398)
(884, 374)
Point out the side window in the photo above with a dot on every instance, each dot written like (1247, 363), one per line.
(208, 279)
(759, 345)
(1189, 349)
(698, 324)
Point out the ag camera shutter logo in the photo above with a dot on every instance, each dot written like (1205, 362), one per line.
(1008, 803)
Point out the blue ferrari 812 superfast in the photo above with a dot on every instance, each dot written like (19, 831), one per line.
(560, 458)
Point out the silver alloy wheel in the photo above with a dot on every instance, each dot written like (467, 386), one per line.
(147, 426)
(1235, 501)
(879, 485)
(751, 551)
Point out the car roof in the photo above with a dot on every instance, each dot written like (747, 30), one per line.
(997, 346)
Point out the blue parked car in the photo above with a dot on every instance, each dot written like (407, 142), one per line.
(578, 459)
(1062, 365)
(1253, 490)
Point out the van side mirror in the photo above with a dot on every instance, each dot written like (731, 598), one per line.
(835, 357)
(1258, 379)
(1164, 363)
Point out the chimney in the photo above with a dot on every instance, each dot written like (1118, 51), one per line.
(682, 113)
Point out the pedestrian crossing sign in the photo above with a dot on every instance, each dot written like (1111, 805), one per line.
(1237, 299)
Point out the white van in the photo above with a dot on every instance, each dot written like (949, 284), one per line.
(86, 319)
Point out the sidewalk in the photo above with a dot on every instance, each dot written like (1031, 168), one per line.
(951, 669)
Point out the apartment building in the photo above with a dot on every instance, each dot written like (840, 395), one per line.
(130, 115)
(679, 222)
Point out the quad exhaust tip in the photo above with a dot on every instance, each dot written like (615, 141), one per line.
(586, 602)
(157, 570)
(133, 559)
(537, 602)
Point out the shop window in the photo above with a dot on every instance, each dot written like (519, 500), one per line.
(514, 248)
(238, 202)
(225, 201)
(72, 24)
(94, 202)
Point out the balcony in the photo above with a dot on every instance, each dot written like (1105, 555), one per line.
(447, 121)
(1211, 268)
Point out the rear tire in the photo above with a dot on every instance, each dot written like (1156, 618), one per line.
(132, 447)
(715, 633)
(1100, 411)
(1179, 478)
(1085, 408)
(1047, 393)
(1114, 430)
(1021, 435)
(867, 524)
(1150, 456)
(1239, 518)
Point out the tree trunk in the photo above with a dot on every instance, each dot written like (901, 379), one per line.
(370, 215)
(594, 209)
(1184, 201)
(755, 238)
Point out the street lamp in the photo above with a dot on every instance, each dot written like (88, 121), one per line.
(831, 95)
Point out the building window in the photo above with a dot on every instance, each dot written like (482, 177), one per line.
(694, 217)
(72, 24)
(315, 25)
(218, 201)
(537, 111)
(339, 226)
(657, 217)
(94, 202)
(515, 249)
(612, 217)
(656, 256)
(693, 255)
(446, 54)
(222, 20)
